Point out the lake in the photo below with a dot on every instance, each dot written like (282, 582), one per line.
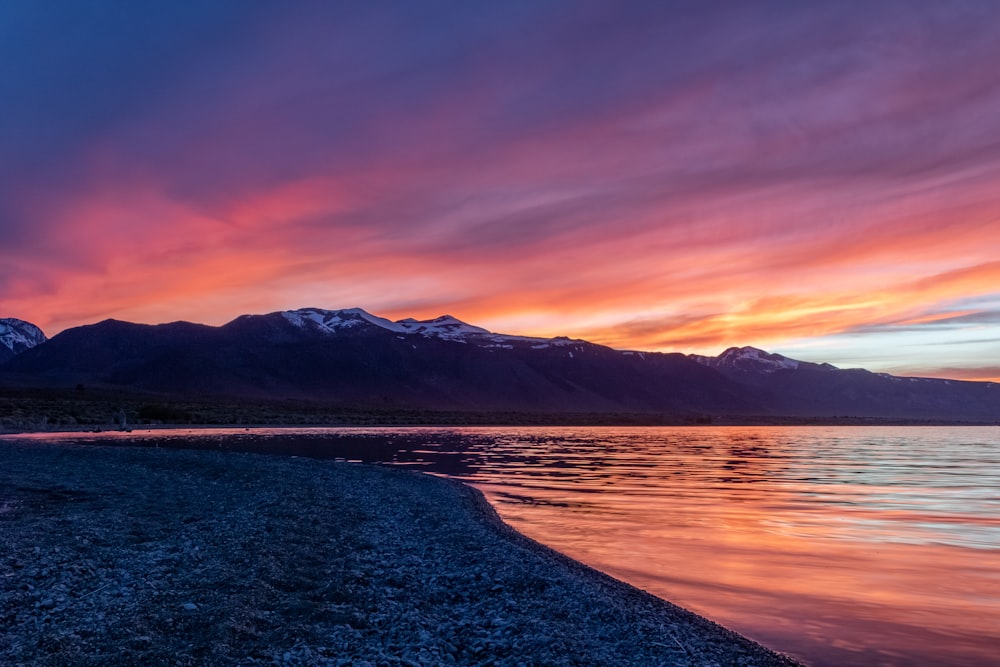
(838, 545)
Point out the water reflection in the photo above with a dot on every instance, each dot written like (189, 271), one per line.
(844, 546)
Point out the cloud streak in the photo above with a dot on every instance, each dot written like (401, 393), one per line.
(665, 175)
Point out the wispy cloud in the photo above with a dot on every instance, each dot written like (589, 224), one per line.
(664, 175)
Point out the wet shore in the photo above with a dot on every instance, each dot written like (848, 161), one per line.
(157, 556)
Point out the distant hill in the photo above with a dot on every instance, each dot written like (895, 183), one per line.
(350, 357)
(797, 388)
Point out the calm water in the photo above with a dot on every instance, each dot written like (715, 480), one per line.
(841, 546)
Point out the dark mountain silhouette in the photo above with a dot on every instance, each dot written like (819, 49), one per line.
(350, 358)
(797, 388)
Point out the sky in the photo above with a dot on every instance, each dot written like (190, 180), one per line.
(819, 179)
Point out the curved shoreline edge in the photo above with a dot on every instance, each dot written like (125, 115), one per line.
(163, 556)
(489, 514)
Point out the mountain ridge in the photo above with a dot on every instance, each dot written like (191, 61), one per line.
(351, 357)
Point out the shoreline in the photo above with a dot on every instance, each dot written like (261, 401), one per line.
(157, 556)
(595, 576)
(110, 429)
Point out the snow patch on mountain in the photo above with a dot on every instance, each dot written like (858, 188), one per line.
(16, 336)
(753, 359)
(332, 321)
(445, 327)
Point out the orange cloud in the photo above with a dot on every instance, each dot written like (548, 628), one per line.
(555, 234)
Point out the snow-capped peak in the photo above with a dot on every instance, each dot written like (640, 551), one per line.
(445, 326)
(748, 359)
(331, 321)
(756, 358)
(16, 336)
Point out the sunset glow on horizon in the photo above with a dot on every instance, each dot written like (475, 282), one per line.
(816, 179)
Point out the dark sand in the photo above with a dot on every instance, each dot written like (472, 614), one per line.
(132, 556)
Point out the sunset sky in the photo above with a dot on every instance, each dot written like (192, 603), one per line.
(820, 179)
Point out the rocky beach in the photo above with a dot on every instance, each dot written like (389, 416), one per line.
(153, 556)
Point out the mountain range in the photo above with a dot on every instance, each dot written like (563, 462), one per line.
(353, 358)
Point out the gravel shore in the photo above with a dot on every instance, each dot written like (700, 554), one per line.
(132, 556)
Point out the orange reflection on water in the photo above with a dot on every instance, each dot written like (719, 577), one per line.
(839, 546)
(842, 546)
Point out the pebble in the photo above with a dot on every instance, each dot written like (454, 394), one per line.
(302, 562)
